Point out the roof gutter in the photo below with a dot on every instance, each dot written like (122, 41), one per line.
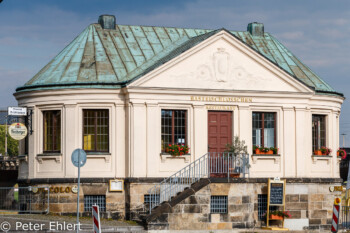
(123, 83)
(330, 92)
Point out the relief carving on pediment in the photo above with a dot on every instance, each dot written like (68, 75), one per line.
(223, 69)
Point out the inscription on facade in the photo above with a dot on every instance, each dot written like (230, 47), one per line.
(53, 189)
(222, 99)
(221, 107)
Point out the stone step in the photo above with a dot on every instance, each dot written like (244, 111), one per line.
(166, 207)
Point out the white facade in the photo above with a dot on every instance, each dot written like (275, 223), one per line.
(220, 73)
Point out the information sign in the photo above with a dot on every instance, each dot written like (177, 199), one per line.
(275, 197)
(17, 111)
(116, 185)
(276, 193)
(18, 131)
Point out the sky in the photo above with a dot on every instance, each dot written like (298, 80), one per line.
(32, 32)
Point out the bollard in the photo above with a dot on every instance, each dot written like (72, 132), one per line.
(96, 219)
(335, 219)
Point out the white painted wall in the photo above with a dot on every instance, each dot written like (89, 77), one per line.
(219, 67)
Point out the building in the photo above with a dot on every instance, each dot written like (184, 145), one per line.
(123, 93)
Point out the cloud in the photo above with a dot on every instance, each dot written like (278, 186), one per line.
(10, 80)
(295, 35)
(316, 34)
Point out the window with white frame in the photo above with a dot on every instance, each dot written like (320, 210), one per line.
(173, 127)
(318, 131)
(264, 129)
(96, 130)
(52, 131)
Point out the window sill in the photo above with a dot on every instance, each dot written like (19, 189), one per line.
(165, 156)
(275, 157)
(98, 155)
(23, 157)
(315, 158)
(45, 156)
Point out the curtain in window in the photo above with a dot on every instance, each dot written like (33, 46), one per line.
(269, 139)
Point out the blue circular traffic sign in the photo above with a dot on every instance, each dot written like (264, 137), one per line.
(79, 157)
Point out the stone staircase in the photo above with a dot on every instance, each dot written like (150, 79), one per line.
(187, 181)
(166, 206)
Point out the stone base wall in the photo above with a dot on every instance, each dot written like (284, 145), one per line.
(64, 201)
(309, 202)
(310, 206)
(136, 192)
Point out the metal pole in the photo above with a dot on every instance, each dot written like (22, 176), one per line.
(78, 225)
(343, 139)
(348, 187)
(6, 136)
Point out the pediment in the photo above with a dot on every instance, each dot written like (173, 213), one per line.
(225, 63)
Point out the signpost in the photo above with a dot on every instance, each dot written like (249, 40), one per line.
(17, 111)
(78, 160)
(275, 197)
(348, 188)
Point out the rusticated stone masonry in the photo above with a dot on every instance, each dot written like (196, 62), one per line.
(310, 202)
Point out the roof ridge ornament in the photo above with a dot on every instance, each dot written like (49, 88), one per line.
(256, 29)
(107, 21)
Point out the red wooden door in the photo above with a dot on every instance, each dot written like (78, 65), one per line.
(219, 130)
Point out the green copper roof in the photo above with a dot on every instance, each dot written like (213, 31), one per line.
(102, 58)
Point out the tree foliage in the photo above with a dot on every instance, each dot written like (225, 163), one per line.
(237, 147)
(12, 144)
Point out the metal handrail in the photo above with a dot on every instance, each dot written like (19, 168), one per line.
(219, 164)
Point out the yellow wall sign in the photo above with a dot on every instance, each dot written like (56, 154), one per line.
(53, 189)
(222, 99)
(116, 185)
(336, 188)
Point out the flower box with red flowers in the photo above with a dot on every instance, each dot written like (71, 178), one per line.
(278, 215)
(265, 150)
(323, 151)
(177, 149)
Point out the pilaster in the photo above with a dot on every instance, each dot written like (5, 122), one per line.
(245, 126)
(153, 145)
(70, 137)
(139, 144)
(200, 121)
(301, 155)
(289, 138)
(120, 152)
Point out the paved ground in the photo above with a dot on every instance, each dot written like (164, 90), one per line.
(54, 223)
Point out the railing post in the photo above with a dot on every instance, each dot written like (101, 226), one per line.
(199, 167)
(209, 164)
(227, 166)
